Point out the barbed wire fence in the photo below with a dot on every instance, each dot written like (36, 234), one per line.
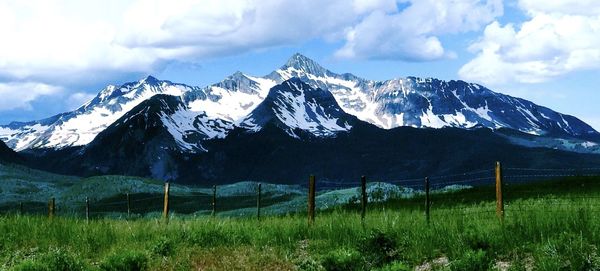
(504, 186)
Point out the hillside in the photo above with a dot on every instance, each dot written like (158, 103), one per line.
(7, 155)
(271, 155)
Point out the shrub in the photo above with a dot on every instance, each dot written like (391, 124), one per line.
(472, 260)
(518, 265)
(395, 266)
(308, 264)
(125, 261)
(62, 260)
(56, 259)
(30, 265)
(475, 239)
(343, 260)
(568, 252)
(379, 249)
(164, 247)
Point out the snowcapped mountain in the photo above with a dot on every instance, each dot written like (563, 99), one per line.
(202, 111)
(296, 108)
(231, 99)
(429, 102)
(300, 97)
(81, 126)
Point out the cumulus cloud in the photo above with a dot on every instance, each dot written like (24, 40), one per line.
(575, 7)
(558, 38)
(20, 95)
(412, 34)
(66, 42)
(43, 39)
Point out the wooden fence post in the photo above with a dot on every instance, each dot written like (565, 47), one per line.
(51, 206)
(87, 209)
(311, 199)
(427, 199)
(166, 202)
(258, 195)
(499, 200)
(128, 205)
(364, 198)
(214, 201)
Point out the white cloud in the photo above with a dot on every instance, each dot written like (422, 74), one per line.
(383, 36)
(575, 7)
(68, 42)
(558, 38)
(45, 39)
(213, 28)
(363, 6)
(20, 95)
(412, 34)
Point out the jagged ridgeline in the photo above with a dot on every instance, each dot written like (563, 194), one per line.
(297, 120)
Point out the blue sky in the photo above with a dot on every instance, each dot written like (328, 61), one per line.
(57, 54)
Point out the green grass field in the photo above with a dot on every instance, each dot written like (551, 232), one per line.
(547, 226)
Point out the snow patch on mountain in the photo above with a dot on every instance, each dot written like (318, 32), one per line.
(296, 105)
(428, 102)
(81, 126)
(189, 128)
(589, 144)
(19, 139)
(232, 105)
(306, 115)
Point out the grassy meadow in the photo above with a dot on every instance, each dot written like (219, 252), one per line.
(547, 226)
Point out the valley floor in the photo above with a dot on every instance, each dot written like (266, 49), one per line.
(558, 228)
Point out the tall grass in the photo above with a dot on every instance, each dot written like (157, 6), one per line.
(553, 232)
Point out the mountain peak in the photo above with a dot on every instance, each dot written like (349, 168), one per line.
(305, 64)
(150, 80)
(238, 75)
(298, 57)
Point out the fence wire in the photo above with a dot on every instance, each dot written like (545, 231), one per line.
(460, 193)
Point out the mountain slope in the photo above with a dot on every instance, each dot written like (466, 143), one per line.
(272, 155)
(404, 152)
(80, 127)
(7, 155)
(141, 142)
(231, 99)
(227, 101)
(429, 102)
(296, 107)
